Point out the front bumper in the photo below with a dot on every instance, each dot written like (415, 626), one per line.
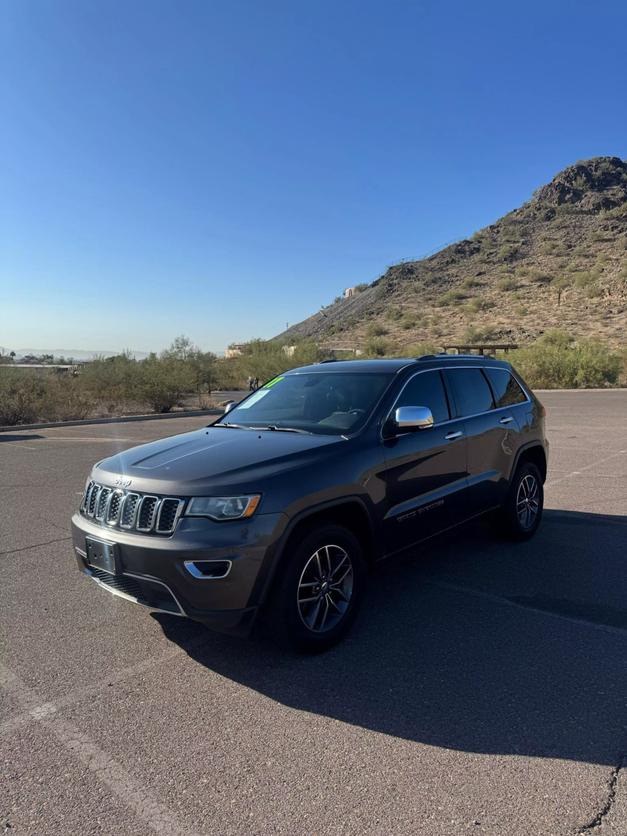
(153, 570)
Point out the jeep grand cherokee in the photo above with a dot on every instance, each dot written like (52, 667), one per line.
(280, 507)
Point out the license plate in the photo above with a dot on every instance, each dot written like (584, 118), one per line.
(101, 555)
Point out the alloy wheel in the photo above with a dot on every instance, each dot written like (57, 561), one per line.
(527, 501)
(325, 588)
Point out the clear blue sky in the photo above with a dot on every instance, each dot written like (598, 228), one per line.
(221, 168)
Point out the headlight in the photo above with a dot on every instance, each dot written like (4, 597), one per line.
(223, 507)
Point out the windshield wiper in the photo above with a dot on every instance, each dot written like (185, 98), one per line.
(276, 429)
(231, 426)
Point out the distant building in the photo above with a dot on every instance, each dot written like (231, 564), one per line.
(234, 350)
(350, 291)
(289, 350)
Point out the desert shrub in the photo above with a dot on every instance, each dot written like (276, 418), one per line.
(507, 283)
(508, 252)
(20, 396)
(476, 305)
(163, 382)
(418, 349)
(470, 283)
(556, 361)
(583, 279)
(540, 276)
(376, 347)
(65, 399)
(393, 313)
(451, 297)
(375, 329)
(476, 334)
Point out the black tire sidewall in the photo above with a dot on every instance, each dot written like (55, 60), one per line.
(291, 629)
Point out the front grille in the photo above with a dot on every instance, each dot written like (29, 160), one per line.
(131, 511)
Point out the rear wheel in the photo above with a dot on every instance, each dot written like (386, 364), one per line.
(317, 598)
(520, 516)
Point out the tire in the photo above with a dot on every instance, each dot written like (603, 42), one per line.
(319, 589)
(521, 513)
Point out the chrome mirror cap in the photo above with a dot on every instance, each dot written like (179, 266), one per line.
(228, 406)
(413, 418)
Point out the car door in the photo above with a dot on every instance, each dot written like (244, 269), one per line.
(425, 470)
(490, 433)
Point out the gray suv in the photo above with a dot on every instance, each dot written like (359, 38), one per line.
(281, 506)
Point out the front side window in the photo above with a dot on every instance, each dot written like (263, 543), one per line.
(506, 388)
(471, 391)
(426, 389)
(332, 403)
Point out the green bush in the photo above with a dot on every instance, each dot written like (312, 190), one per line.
(20, 396)
(451, 297)
(507, 283)
(376, 347)
(474, 334)
(375, 329)
(476, 305)
(508, 252)
(555, 361)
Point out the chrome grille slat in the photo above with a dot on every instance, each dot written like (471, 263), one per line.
(147, 513)
(101, 505)
(113, 507)
(169, 514)
(131, 511)
(128, 514)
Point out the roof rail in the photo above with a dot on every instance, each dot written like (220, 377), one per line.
(442, 354)
(330, 360)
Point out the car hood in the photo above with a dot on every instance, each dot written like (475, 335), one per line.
(187, 464)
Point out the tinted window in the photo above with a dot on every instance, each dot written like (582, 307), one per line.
(506, 389)
(426, 389)
(471, 390)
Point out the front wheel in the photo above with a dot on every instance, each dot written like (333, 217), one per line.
(317, 598)
(521, 514)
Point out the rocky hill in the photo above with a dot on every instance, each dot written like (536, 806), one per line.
(560, 260)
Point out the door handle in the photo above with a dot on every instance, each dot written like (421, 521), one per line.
(506, 420)
(451, 436)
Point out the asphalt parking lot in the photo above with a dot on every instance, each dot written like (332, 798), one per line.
(483, 690)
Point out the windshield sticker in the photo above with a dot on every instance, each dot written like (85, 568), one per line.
(252, 400)
(273, 381)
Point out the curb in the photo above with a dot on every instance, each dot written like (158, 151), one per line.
(124, 419)
(582, 389)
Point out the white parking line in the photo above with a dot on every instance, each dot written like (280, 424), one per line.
(124, 785)
(78, 695)
(553, 482)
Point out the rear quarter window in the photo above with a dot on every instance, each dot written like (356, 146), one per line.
(507, 390)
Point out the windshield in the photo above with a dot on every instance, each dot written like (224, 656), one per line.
(334, 403)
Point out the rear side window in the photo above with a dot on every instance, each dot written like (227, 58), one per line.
(506, 389)
(426, 389)
(471, 391)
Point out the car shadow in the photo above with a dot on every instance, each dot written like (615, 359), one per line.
(471, 644)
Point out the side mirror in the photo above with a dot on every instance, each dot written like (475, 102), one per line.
(228, 406)
(413, 418)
